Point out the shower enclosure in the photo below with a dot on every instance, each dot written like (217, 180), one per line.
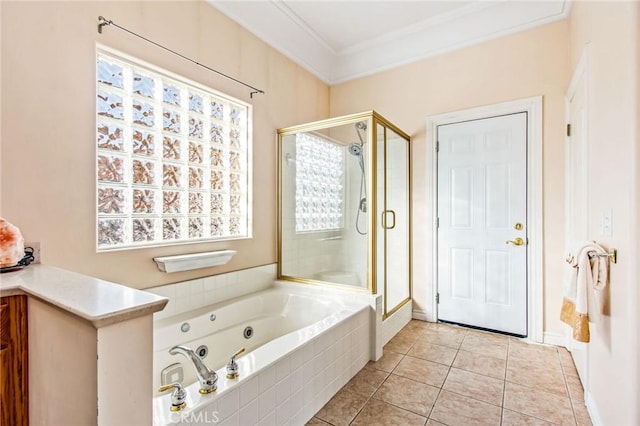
(344, 213)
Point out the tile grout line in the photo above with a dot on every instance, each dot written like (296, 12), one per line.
(437, 396)
(379, 386)
(403, 357)
(397, 406)
(539, 390)
(441, 388)
(480, 374)
(418, 336)
(416, 381)
(504, 383)
(566, 383)
(368, 398)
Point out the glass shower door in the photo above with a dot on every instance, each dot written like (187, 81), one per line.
(393, 252)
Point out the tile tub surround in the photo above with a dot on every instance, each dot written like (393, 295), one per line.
(288, 390)
(437, 374)
(275, 313)
(193, 294)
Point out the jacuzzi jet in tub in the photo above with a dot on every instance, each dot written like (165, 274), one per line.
(248, 332)
(202, 351)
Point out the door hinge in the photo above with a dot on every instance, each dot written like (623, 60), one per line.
(437, 297)
(568, 129)
(437, 146)
(437, 222)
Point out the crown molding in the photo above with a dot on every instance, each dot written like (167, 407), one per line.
(276, 24)
(291, 37)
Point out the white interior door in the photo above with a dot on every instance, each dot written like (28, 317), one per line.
(576, 180)
(482, 214)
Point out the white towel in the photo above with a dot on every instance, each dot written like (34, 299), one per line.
(583, 290)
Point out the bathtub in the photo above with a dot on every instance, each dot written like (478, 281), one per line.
(305, 343)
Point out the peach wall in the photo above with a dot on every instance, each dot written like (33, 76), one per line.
(48, 134)
(527, 64)
(611, 30)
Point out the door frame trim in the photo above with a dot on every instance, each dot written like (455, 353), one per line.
(533, 107)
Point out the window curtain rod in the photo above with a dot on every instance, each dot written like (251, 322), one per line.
(103, 22)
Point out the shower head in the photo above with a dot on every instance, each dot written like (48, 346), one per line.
(355, 149)
(360, 125)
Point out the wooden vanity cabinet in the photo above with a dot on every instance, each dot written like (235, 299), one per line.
(14, 361)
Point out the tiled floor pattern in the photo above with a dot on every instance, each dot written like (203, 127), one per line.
(436, 374)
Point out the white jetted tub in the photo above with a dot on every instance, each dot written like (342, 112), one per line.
(302, 344)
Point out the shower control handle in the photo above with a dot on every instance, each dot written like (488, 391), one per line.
(385, 223)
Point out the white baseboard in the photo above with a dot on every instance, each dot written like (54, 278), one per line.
(556, 339)
(592, 409)
(419, 315)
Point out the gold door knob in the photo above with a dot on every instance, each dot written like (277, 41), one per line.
(517, 242)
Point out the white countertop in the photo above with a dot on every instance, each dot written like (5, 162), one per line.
(100, 302)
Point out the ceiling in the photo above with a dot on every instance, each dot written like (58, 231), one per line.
(342, 40)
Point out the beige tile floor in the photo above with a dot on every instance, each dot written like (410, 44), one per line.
(437, 374)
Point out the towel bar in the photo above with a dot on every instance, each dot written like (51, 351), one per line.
(612, 254)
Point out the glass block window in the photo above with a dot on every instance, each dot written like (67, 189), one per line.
(319, 183)
(173, 158)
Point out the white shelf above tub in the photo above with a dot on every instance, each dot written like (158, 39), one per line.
(187, 262)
